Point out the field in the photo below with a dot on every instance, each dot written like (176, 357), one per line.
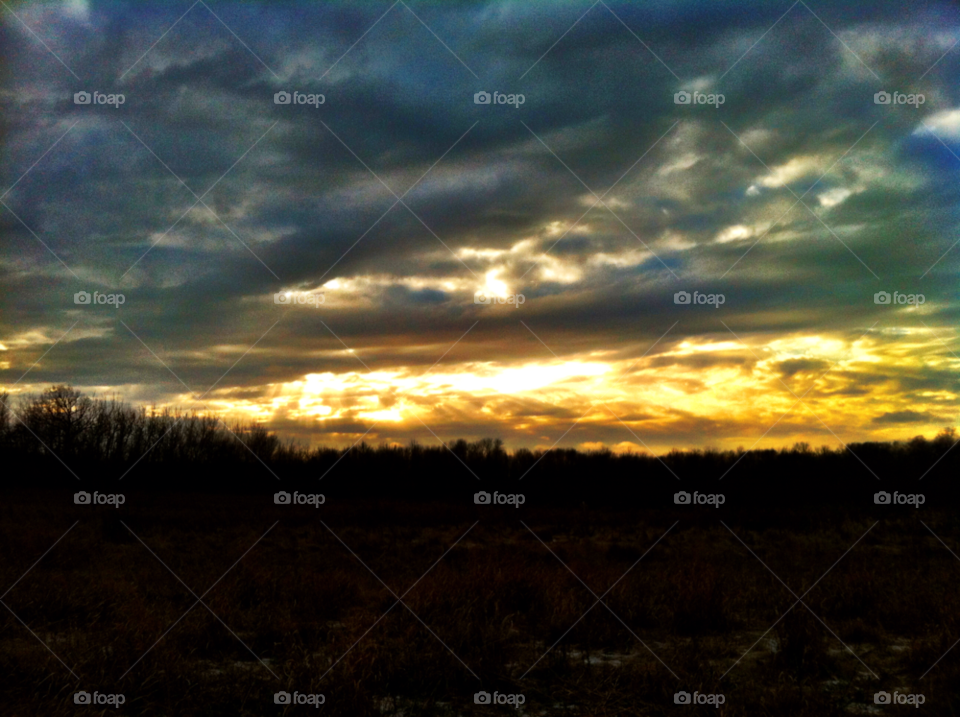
(292, 600)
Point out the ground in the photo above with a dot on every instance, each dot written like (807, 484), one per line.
(492, 601)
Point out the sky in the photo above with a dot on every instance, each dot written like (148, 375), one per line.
(390, 257)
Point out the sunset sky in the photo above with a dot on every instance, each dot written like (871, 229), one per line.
(379, 214)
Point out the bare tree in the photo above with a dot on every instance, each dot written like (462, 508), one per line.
(60, 415)
(4, 416)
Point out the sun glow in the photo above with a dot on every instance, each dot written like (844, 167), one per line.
(726, 391)
(494, 286)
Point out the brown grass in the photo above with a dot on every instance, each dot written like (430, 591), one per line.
(499, 599)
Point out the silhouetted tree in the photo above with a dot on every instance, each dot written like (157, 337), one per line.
(60, 417)
(169, 449)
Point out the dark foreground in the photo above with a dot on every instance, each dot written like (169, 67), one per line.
(304, 600)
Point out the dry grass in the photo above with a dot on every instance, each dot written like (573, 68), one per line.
(499, 599)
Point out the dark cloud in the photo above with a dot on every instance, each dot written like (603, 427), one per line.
(905, 417)
(792, 367)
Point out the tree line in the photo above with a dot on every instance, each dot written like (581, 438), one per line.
(53, 439)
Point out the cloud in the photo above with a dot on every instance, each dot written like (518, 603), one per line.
(945, 124)
(905, 417)
(305, 199)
